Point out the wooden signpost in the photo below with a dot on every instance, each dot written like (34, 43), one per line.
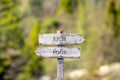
(60, 52)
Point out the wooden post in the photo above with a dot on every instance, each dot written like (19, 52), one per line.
(60, 69)
(60, 63)
(60, 52)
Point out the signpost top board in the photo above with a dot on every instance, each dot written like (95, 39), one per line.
(58, 52)
(56, 39)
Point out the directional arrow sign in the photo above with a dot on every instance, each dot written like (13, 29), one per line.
(55, 39)
(58, 52)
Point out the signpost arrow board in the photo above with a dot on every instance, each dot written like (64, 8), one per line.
(56, 39)
(58, 52)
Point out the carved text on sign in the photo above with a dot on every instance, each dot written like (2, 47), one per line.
(59, 52)
(59, 38)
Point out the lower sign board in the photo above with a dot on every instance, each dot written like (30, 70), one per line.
(58, 52)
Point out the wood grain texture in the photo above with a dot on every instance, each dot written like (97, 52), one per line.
(60, 69)
(56, 39)
(58, 52)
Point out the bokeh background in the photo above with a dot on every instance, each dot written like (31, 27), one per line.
(98, 21)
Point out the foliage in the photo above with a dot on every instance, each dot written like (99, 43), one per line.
(113, 23)
(22, 20)
(50, 25)
(69, 5)
(30, 59)
(11, 38)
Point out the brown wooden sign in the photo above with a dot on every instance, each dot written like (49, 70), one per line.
(58, 52)
(56, 39)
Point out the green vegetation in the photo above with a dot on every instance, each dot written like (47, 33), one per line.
(21, 21)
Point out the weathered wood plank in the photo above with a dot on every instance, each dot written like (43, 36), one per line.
(56, 39)
(58, 52)
(60, 69)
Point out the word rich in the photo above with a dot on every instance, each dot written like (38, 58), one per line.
(60, 51)
(60, 38)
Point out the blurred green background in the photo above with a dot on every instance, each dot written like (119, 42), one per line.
(98, 21)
